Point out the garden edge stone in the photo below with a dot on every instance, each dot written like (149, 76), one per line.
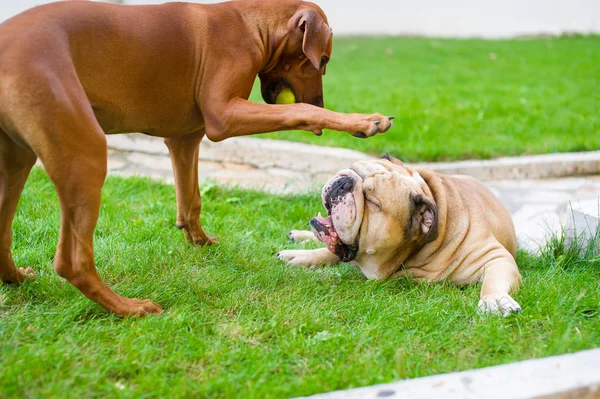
(319, 160)
(574, 375)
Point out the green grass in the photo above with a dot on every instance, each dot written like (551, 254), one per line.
(451, 101)
(238, 323)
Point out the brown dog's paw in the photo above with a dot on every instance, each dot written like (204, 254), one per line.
(27, 273)
(197, 236)
(138, 308)
(19, 275)
(206, 241)
(365, 126)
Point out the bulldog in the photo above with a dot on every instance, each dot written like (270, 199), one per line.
(393, 220)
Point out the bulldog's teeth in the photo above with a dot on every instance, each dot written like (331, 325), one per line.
(319, 215)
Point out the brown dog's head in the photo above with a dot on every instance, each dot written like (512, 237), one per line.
(300, 58)
(375, 209)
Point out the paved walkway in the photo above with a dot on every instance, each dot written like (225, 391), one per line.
(538, 204)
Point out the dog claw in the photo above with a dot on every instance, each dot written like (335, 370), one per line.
(377, 122)
(391, 117)
(360, 135)
(319, 133)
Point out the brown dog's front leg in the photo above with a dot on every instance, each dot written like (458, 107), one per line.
(240, 117)
(184, 157)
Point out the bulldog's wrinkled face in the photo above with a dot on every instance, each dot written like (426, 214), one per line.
(374, 209)
(300, 61)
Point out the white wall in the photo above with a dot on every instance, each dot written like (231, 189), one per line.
(8, 8)
(461, 18)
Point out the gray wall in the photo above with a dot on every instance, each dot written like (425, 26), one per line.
(458, 18)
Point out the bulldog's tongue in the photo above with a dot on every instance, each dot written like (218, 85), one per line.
(328, 235)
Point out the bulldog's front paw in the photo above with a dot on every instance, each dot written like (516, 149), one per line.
(298, 258)
(363, 126)
(499, 304)
(301, 236)
(311, 258)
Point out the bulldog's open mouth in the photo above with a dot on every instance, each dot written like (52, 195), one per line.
(339, 202)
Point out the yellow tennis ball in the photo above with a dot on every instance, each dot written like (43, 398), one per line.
(285, 96)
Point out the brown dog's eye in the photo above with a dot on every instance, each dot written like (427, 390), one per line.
(324, 61)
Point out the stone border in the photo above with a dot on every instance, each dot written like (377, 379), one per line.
(318, 161)
(566, 376)
(525, 167)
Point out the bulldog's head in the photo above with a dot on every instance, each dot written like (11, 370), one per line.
(374, 209)
(301, 55)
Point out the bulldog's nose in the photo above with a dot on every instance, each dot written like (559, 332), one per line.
(342, 186)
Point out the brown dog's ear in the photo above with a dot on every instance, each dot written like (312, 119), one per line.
(316, 35)
(425, 217)
(392, 159)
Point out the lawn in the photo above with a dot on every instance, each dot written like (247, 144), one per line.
(238, 323)
(459, 99)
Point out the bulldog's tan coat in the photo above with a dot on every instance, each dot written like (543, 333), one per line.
(418, 223)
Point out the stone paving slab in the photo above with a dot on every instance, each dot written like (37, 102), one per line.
(541, 207)
(567, 376)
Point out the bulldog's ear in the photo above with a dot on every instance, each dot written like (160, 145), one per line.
(316, 35)
(425, 217)
(392, 159)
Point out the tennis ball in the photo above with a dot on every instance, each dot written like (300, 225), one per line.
(285, 96)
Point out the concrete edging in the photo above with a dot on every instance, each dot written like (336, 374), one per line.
(318, 160)
(566, 376)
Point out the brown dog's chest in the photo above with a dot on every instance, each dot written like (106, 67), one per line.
(113, 120)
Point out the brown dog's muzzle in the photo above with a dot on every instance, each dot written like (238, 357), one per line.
(271, 86)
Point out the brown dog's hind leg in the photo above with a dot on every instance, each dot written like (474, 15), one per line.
(184, 157)
(62, 130)
(15, 165)
(78, 175)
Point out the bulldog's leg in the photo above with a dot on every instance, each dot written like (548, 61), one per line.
(184, 157)
(311, 258)
(500, 277)
(302, 236)
(15, 165)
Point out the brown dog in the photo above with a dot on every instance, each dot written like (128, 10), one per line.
(72, 71)
(393, 220)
